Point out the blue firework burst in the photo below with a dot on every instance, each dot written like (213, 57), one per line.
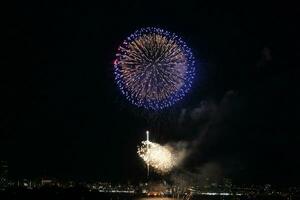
(154, 68)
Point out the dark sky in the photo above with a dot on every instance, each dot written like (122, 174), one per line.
(62, 115)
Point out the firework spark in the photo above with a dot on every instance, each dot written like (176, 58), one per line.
(154, 68)
(158, 157)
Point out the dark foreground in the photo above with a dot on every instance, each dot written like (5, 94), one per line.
(85, 195)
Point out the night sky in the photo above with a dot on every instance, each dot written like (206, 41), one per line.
(63, 116)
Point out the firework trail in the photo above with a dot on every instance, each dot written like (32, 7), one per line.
(154, 68)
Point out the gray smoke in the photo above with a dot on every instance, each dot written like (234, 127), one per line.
(180, 151)
(209, 119)
(207, 174)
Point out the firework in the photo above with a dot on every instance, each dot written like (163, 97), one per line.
(154, 68)
(160, 158)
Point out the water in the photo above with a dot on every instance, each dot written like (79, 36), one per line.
(80, 195)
